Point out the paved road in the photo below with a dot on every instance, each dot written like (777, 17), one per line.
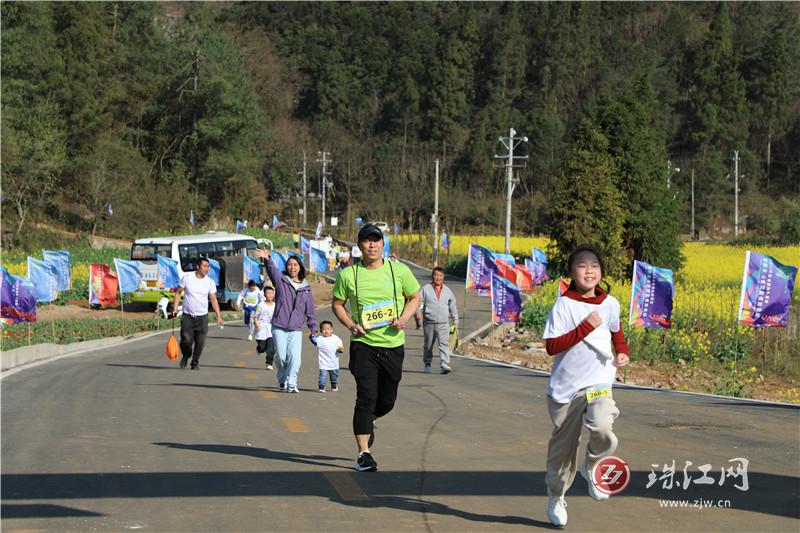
(121, 439)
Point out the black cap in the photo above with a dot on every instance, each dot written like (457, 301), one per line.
(367, 230)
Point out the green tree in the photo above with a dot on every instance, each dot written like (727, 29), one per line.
(587, 205)
(638, 148)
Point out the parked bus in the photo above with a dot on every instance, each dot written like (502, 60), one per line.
(227, 248)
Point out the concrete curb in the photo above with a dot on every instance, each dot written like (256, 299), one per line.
(19, 359)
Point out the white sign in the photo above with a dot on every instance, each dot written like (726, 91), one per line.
(334, 221)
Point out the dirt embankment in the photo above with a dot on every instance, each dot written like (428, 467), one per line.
(517, 347)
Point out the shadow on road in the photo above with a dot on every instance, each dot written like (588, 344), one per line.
(45, 510)
(770, 494)
(259, 453)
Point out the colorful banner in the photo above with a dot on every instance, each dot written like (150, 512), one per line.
(387, 247)
(44, 277)
(445, 241)
(17, 298)
(506, 300)
(506, 269)
(275, 222)
(396, 229)
(191, 217)
(508, 258)
(318, 233)
(251, 270)
(652, 290)
(103, 285)
(305, 245)
(319, 260)
(129, 274)
(168, 274)
(59, 259)
(240, 225)
(767, 287)
(279, 259)
(214, 271)
(537, 265)
(524, 279)
(480, 267)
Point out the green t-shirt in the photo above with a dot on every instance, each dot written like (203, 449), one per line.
(375, 303)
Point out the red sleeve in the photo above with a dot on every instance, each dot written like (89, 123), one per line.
(620, 344)
(568, 340)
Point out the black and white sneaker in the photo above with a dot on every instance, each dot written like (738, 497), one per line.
(365, 463)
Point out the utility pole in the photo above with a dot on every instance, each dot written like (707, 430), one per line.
(510, 143)
(305, 188)
(692, 227)
(436, 216)
(735, 193)
(325, 182)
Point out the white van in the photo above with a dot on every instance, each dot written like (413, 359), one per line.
(186, 250)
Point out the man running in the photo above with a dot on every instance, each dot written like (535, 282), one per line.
(199, 289)
(383, 296)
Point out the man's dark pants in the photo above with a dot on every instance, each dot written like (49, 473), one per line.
(377, 372)
(193, 334)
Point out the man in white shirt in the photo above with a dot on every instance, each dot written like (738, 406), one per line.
(199, 289)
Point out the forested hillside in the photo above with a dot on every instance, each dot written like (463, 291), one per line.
(163, 108)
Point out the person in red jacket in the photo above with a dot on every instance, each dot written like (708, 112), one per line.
(580, 331)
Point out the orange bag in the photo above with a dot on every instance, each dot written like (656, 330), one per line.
(173, 350)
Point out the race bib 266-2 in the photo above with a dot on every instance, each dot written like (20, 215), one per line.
(378, 314)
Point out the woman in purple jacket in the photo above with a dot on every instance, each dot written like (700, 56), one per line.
(294, 305)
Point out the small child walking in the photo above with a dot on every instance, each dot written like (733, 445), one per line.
(251, 297)
(329, 346)
(262, 324)
(579, 332)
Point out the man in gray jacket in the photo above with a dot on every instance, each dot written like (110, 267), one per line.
(437, 311)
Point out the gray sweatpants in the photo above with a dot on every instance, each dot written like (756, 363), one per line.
(436, 332)
(562, 451)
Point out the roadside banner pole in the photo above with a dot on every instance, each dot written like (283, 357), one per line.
(122, 307)
(29, 333)
(53, 323)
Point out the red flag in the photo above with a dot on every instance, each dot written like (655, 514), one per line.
(524, 278)
(103, 285)
(506, 270)
(563, 285)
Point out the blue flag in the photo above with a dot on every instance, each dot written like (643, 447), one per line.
(214, 270)
(445, 241)
(279, 259)
(60, 260)
(191, 217)
(251, 270)
(168, 272)
(539, 256)
(275, 222)
(45, 278)
(396, 229)
(129, 274)
(305, 244)
(240, 226)
(319, 260)
(17, 299)
(319, 230)
(652, 290)
(109, 210)
(387, 247)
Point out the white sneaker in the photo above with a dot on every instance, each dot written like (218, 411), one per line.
(294, 389)
(557, 511)
(269, 367)
(250, 337)
(594, 492)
